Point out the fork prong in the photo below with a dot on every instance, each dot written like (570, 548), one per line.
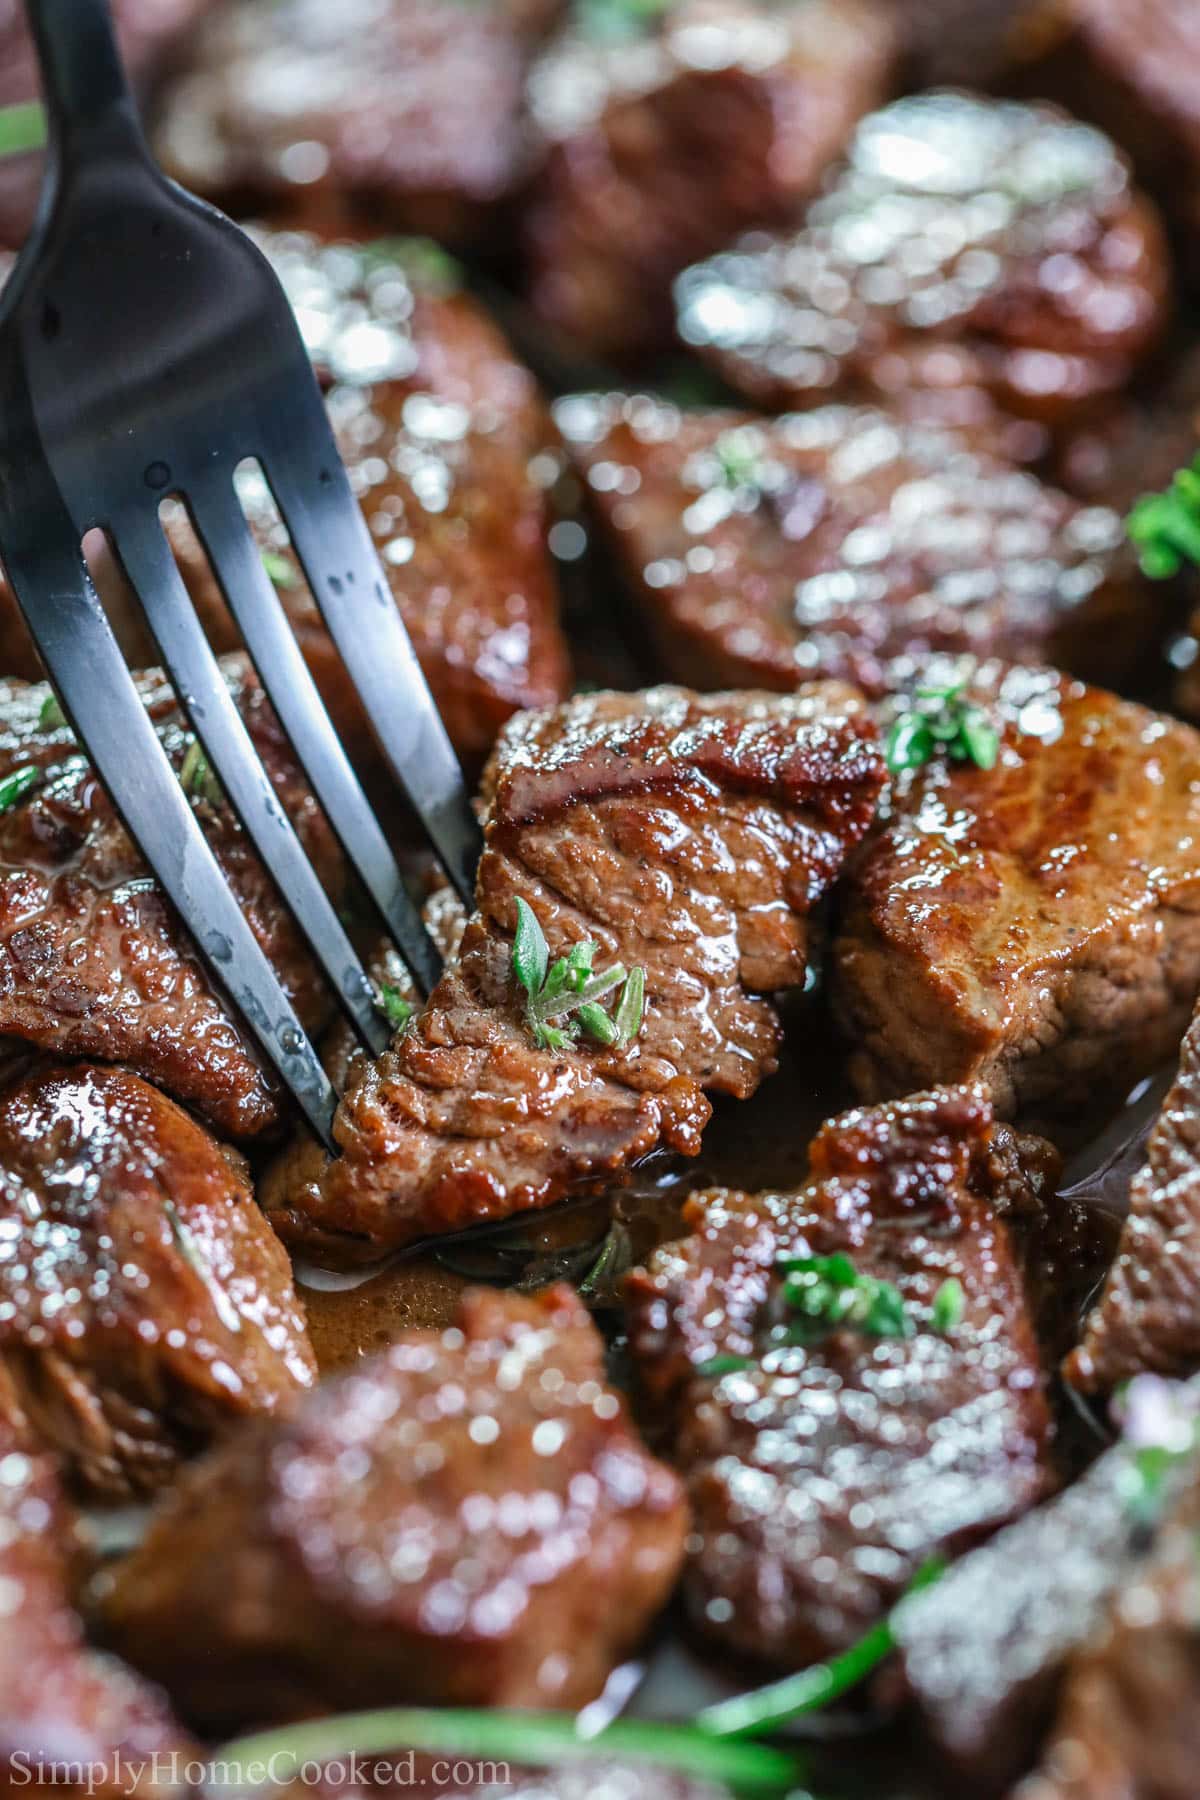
(153, 574)
(255, 605)
(67, 622)
(330, 537)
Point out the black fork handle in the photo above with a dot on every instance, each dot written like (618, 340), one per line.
(88, 98)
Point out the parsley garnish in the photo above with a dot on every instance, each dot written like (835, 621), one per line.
(949, 1304)
(281, 571)
(1165, 528)
(196, 775)
(51, 717)
(827, 1293)
(14, 787)
(22, 127)
(569, 990)
(944, 720)
(392, 1004)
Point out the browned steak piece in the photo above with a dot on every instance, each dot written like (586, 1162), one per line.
(690, 837)
(466, 1519)
(441, 429)
(61, 1702)
(1035, 926)
(1148, 1317)
(984, 1650)
(93, 961)
(150, 31)
(847, 542)
(145, 1303)
(1127, 1726)
(830, 1461)
(661, 146)
(395, 116)
(968, 243)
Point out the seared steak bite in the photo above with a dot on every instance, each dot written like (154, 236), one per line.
(828, 1454)
(847, 542)
(465, 1519)
(93, 961)
(970, 242)
(145, 1303)
(61, 1702)
(689, 837)
(660, 146)
(400, 116)
(1035, 925)
(1148, 1317)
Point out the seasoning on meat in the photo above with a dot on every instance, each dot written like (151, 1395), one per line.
(467, 1517)
(687, 836)
(145, 1303)
(93, 961)
(828, 1454)
(663, 142)
(849, 542)
(968, 243)
(1033, 925)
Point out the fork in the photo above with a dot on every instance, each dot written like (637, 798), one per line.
(146, 349)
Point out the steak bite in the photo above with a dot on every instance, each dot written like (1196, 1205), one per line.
(826, 1460)
(93, 961)
(398, 116)
(846, 542)
(1035, 926)
(660, 146)
(1148, 1316)
(61, 1702)
(145, 1303)
(968, 243)
(688, 837)
(467, 1517)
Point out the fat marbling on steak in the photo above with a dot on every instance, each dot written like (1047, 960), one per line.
(93, 961)
(824, 1466)
(849, 542)
(146, 1306)
(467, 1518)
(1035, 925)
(687, 835)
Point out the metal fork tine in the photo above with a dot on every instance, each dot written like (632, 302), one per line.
(145, 555)
(330, 537)
(67, 622)
(250, 593)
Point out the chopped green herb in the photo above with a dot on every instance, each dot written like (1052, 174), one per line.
(196, 775)
(394, 1007)
(282, 572)
(827, 1293)
(14, 787)
(717, 1366)
(949, 1304)
(570, 991)
(768, 1708)
(22, 127)
(739, 457)
(538, 1739)
(944, 720)
(1160, 1430)
(1165, 528)
(616, 1255)
(51, 717)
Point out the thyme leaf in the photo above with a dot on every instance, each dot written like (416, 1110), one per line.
(14, 787)
(392, 1004)
(1165, 528)
(569, 991)
(942, 720)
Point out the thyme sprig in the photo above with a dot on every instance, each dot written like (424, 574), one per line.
(1165, 527)
(14, 787)
(392, 1004)
(563, 998)
(196, 775)
(942, 719)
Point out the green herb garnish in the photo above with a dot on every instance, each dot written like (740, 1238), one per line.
(282, 572)
(942, 720)
(739, 458)
(538, 1739)
(1165, 528)
(22, 127)
(1160, 1431)
(14, 787)
(767, 1708)
(196, 775)
(51, 717)
(392, 1004)
(827, 1293)
(949, 1304)
(716, 1366)
(570, 991)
